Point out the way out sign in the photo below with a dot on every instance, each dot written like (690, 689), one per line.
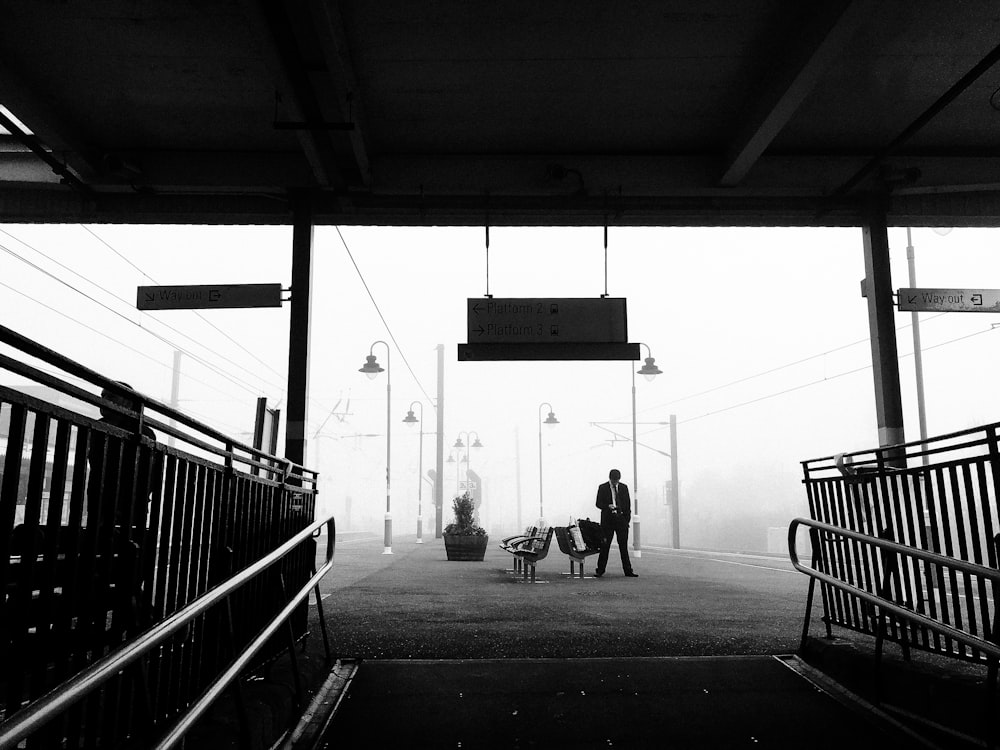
(949, 300)
(208, 296)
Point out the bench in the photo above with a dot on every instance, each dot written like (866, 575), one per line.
(568, 546)
(507, 544)
(529, 550)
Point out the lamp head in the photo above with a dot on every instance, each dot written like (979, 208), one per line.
(551, 419)
(451, 458)
(650, 370)
(477, 444)
(371, 368)
(459, 443)
(410, 419)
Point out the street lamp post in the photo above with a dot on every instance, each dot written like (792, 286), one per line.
(473, 443)
(918, 366)
(410, 420)
(549, 420)
(371, 368)
(649, 370)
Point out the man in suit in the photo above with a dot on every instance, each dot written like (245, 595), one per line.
(616, 513)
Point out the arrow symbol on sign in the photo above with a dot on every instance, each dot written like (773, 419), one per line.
(911, 299)
(476, 308)
(480, 330)
(977, 299)
(149, 297)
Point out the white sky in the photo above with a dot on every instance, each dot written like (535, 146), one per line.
(715, 306)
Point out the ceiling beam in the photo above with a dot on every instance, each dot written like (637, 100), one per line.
(56, 205)
(956, 90)
(65, 174)
(812, 51)
(298, 99)
(52, 130)
(344, 90)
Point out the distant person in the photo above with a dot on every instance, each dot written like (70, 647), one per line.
(119, 485)
(616, 514)
(118, 492)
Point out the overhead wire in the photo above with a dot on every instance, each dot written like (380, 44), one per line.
(379, 311)
(197, 314)
(227, 376)
(774, 369)
(786, 391)
(280, 387)
(821, 380)
(107, 336)
(126, 302)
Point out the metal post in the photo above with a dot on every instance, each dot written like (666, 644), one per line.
(258, 431)
(439, 459)
(298, 329)
(420, 477)
(881, 323)
(258, 423)
(549, 420)
(636, 545)
(675, 490)
(541, 505)
(372, 368)
(175, 387)
(918, 371)
(388, 462)
(918, 357)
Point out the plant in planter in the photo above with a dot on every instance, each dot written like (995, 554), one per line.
(464, 539)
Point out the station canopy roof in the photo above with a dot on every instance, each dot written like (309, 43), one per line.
(456, 112)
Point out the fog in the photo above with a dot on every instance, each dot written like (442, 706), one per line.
(761, 334)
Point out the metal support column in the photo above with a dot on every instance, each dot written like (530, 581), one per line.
(882, 326)
(298, 329)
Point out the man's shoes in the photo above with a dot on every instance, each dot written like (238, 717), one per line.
(598, 573)
(631, 574)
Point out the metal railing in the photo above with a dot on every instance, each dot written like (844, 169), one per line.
(966, 616)
(937, 497)
(39, 714)
(106, 532)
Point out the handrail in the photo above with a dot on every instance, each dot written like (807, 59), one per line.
(33, 349)
(37, 714)
(911, 443)
(989, 647)
(893, 459)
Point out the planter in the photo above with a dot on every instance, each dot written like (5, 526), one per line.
(468, 547)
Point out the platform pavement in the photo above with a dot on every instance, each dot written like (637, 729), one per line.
(414, 607)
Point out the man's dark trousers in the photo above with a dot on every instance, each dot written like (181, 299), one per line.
(614, 526)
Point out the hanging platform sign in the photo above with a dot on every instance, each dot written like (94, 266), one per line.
(208, 296)
(949, 300)
(547, 352)
(549, 320)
